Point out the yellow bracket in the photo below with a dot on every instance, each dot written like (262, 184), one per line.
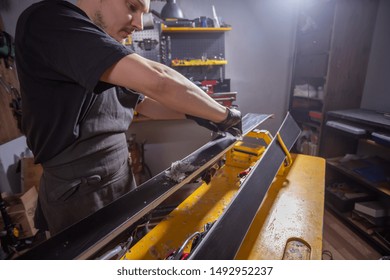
(288, 161)
(243, 155)
(261, 134)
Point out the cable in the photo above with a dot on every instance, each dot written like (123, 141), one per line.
(328, 254)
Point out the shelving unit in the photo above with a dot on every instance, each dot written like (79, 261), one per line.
(331, 56)
(198, 53)
(360, 165)
(312, 51)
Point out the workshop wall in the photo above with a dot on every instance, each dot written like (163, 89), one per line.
(10, 11)
(10, 154)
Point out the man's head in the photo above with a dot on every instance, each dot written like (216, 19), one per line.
(119, 18)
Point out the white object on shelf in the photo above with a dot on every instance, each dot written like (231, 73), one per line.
(216, 20)
(346, 127)
(356, 195)
(372, 208)
(320, 92)
(349, 157)
(305, 90)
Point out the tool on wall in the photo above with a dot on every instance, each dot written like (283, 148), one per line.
(147, 44)
(11, 242)
(16, 102)
(8, 235)
(7, 50)
(137, 153)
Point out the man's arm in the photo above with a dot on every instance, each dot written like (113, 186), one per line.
(164, 85)
(155, 110)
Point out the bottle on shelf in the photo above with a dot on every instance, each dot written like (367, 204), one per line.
(320, 92)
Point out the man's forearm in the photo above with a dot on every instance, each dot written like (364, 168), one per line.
(164, 85)
(155, 110)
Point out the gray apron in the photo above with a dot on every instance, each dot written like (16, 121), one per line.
(92, 172)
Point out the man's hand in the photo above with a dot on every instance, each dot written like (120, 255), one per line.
(203, 122)
(231, 124)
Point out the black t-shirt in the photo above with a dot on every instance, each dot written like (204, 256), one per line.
(60, 56)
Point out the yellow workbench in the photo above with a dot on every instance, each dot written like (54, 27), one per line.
(288, 224)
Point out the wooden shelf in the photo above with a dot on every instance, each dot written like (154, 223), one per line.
(194, 29)
(302, 116)
(383, 188)
(310, 98)
(316, 125)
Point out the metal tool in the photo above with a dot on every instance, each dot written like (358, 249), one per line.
(16, 101)
(196, 238)
(119, 251)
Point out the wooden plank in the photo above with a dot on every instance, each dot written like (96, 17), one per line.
(353, 30)
(1, 24)
(351, 43)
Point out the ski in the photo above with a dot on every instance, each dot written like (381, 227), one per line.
(224, 239)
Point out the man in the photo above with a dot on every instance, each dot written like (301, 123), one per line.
(69, 57)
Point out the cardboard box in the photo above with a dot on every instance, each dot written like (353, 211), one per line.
(21, 209)
(30, 174)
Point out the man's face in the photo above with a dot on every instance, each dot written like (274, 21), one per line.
(120, 18)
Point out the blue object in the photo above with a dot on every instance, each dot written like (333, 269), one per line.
(372, 173)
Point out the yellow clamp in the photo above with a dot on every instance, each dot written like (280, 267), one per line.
(262, 134)
(267, 137)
